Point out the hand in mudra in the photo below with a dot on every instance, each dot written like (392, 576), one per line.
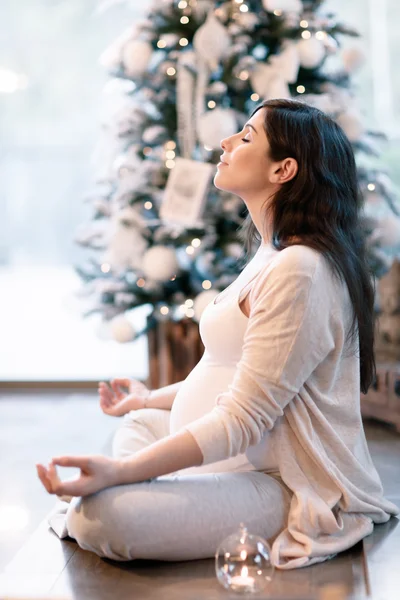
(116, 402)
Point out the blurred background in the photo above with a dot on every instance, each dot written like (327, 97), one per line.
(51, 87)
(53, 97)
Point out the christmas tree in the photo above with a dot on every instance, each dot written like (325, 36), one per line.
(184, 78)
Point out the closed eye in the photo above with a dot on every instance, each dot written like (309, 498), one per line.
(244, 140)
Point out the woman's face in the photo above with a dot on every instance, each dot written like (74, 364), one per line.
(246, 166)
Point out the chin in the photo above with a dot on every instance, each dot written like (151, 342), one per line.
(219, 183)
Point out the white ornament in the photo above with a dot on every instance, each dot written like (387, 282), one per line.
(353, 58)
(351, 123)
(121, 329)
(211, 41)
(215, 125)
(287, 62)
(201, 301)
(136, 55)
(160, 263)
(311, 52)
(284, 5)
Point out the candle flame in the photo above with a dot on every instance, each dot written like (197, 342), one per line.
(244, 572)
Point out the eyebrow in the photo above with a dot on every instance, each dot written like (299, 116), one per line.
(250, 125)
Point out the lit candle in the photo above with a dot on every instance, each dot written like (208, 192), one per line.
(242, 581)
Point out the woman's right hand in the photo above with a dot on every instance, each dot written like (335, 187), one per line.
(116, 402)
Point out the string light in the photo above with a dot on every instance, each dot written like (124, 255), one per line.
(206, 284)
(278, 12)
(306, 35)
(244, 75)
(105, 268)
(164, 310)
(320, 35)
(161, 43)
(189, 303)
(170, 164)
(244, 8)
(196, 242)
(255, 97)
(140, 282)
(171, 71)
(171, 145)
(301, 89)
(371, 187)
(304, 24)
(190, 312)
(148, 205)
(184, 20)
(211, 104)
(238, 1)
(189, 250)
(182, 4)
(170, 154)
(183, 41)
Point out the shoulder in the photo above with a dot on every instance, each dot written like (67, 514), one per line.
(297, 259)
(295, 269)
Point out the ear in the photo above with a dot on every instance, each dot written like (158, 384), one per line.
(284, 170)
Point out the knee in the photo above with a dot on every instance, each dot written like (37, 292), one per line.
(90, 522)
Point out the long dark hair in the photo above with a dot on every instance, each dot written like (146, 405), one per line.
(320, 207)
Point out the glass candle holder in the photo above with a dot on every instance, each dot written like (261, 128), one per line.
(243, 562)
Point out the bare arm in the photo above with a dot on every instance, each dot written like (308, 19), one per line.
(173, 453)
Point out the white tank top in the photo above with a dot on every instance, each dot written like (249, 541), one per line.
(222, 327)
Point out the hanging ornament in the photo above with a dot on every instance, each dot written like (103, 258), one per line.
(211, 41)
(295, 6)
(215, 125)
(121, 329)
(185, 82)
(201, 301)
(351, 123)
(160, 263)
(136, 55)
(353, 58)
(311, 52)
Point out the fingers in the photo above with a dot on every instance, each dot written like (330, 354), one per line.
(81, 462)
(42, 474)
(117, 390)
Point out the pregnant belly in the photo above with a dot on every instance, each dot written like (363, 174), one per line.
(198, 393)
(197, 397)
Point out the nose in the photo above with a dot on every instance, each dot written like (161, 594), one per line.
(223, 144)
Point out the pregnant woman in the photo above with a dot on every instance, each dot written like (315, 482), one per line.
(267, 427)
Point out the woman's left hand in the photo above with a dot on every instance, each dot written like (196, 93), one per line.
(97, 473)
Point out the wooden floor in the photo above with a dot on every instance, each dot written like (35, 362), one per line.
(46, 565)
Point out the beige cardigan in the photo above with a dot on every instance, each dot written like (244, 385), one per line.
(295, 379)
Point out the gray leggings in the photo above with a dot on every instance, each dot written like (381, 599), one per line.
(174, 517)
